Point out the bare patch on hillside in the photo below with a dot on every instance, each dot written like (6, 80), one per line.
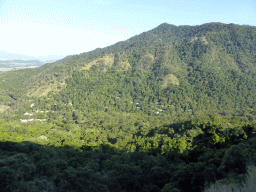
(43, 90)
(120, 62)
(204, 40)
(103, 63)
(147, 61)
(217, 60)
(201, 38)
(170, 79)
(3, 108)
(122, 65)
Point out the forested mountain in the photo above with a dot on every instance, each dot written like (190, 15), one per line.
(165, 110)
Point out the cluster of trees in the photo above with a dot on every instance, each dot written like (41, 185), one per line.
(179, 156)
(202, 91)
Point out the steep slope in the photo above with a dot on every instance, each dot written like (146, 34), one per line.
(196, 68)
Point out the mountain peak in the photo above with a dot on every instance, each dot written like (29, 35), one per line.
(165, 25)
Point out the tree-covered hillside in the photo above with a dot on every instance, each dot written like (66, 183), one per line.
(165, 110)
(202, 68)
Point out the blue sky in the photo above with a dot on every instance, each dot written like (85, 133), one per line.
(64, 27)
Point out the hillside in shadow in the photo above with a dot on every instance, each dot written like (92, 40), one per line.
(184, 156)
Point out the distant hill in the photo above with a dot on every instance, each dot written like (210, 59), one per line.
(11, 56)
(20, 63)
(10, 65)
(248, 26)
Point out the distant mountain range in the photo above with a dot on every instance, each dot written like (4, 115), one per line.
(45, 59)
(20, 63)
(248, 26)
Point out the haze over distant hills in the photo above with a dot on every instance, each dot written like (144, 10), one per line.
(11, 61)
(248, 25)
(13, 56)
(9, 65)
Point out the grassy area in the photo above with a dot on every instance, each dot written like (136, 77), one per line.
(106, 61)
(3, 108)
(44, 90)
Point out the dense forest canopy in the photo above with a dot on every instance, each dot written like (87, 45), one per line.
(166, 110)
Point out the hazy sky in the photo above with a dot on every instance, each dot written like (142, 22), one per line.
(63, 27)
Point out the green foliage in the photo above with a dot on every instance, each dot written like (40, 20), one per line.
(167, 110)
(106, 167)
